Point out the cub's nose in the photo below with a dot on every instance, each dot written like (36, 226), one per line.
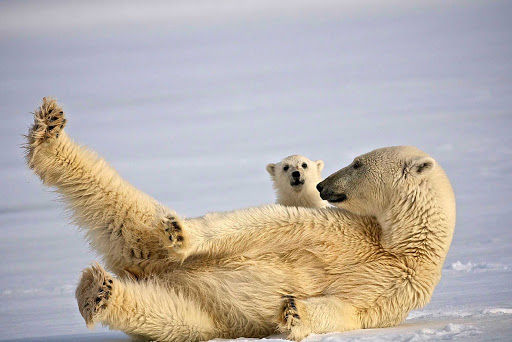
(319, 187)
(296, 174)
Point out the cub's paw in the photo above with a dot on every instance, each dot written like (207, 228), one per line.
(93, 293)
(172, 234)
(49, 120)
(290, 315)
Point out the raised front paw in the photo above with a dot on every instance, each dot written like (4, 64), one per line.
(49, 120)
(93, 293)
(172, 233)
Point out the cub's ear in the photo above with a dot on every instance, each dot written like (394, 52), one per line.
(420, 166)
(271, 168)
(320, 165)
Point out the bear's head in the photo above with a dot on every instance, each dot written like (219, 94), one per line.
(295, 179)
(376, 180)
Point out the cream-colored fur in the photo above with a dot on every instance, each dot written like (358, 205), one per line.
(295, 179)
(255, 271)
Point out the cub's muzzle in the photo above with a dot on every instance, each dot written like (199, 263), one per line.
(296, 180)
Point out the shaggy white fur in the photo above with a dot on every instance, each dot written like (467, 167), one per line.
(255, 271)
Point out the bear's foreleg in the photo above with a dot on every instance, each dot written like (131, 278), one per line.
(148, 309)
(232, 233)
(118, 218)
(317, 315)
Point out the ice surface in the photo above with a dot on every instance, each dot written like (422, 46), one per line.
(190, 101)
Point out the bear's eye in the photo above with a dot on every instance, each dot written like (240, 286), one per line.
(286, 168)
(357, 164)
(304, 165)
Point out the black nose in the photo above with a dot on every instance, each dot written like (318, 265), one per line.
(295, 174)
(319, 187)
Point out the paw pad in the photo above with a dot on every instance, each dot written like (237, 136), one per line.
(93, 293)
(49, 120)
(291, 315)
(172, 231)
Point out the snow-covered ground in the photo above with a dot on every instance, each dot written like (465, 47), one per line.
(190, 100)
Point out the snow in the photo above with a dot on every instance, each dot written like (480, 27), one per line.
(472, 267)
(189, 101)
(498, 311)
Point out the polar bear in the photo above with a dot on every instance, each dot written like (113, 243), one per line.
(252, 272)
(295, 179)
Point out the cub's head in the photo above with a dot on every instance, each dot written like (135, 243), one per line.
(295, 179)
(368, 185)
(294, 172)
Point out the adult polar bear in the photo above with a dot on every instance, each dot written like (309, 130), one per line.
(254, 271)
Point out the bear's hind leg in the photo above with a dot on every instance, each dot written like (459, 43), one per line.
(49, 120)
(118, 218)
(149, 309)
(93, 293)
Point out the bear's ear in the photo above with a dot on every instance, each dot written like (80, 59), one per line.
(420, 166)
(271, 168)
(320, 165)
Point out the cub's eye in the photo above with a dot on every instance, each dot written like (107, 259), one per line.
(357, 164)
(286, 168)
(304, 165)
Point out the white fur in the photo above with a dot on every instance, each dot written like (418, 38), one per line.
(255, 271)
(302, 195)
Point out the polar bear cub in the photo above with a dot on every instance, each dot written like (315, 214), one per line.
(295, 179)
